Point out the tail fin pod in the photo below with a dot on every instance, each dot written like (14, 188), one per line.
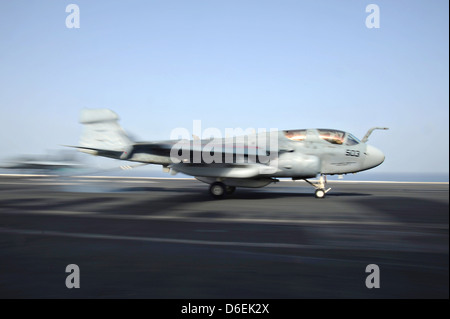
(102, 131)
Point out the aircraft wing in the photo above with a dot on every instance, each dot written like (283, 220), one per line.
(190, 151)
(241, 166)
(103, 136)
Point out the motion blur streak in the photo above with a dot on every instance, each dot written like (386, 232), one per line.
(168, 240)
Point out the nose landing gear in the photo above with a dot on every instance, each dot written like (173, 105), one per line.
(320, 186)
(320, 193)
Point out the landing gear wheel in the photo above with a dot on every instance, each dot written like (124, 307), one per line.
(217, 190)
(320, 193)
(230, 190)
(320, 186)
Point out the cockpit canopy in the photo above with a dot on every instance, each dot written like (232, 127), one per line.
(331, 136)
(295, 135)
(352, 140)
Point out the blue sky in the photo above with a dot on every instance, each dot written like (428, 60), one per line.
(262, 64)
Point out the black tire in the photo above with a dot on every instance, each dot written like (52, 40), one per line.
(217, 190)
(320, 193)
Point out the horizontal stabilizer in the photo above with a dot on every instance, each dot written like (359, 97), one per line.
(98, 152)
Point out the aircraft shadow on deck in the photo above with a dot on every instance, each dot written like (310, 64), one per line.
(202, 194)
(180, 197)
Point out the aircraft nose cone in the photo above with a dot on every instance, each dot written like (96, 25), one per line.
(374, 157)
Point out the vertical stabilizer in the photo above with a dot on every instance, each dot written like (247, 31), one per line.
(102, 131)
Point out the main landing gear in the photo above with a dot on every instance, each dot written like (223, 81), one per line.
(218, 190)
(320, 186)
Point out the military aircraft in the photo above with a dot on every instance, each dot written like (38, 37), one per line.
(51, 162)
(253, 160)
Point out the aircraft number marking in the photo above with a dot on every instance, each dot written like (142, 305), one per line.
(352, 153)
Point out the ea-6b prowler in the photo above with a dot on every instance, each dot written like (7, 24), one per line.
(253, 160)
